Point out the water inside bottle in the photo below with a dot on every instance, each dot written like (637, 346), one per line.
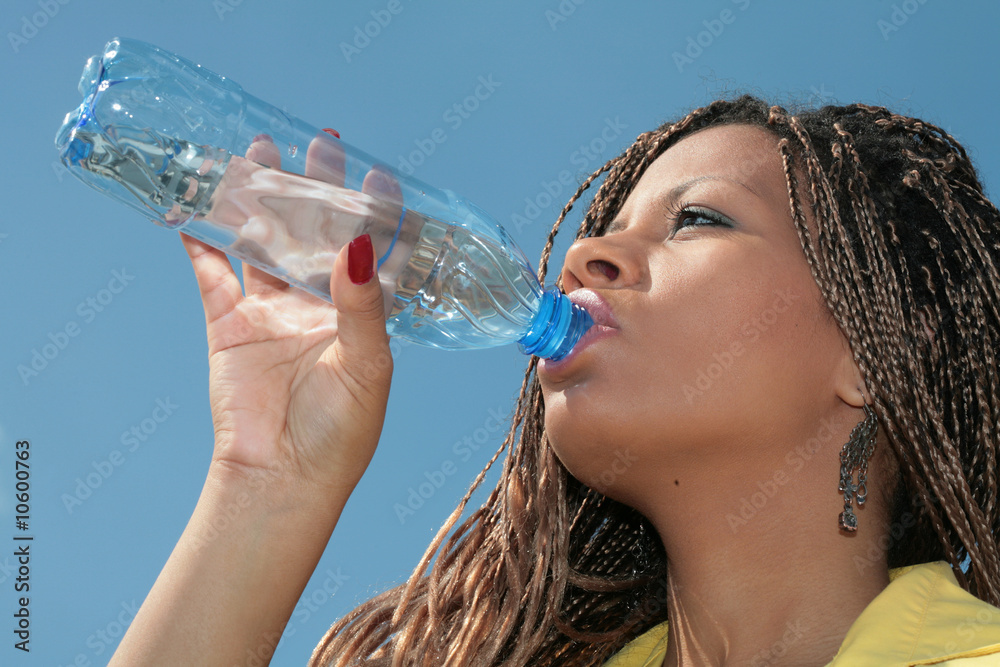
(473, 294)
(444, 284)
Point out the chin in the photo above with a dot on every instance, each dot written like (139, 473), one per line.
(595, 457)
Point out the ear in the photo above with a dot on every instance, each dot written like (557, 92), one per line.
(849, 384)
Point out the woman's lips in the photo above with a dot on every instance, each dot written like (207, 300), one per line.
(595, 305)
(594, 334)
(605, 325)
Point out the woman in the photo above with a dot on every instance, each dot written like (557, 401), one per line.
(789, 399)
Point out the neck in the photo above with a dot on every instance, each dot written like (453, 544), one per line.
(760, 574)
(768, 608)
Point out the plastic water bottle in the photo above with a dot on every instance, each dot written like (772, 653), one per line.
(193, 152)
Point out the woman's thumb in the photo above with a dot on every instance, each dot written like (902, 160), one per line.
(357, 294)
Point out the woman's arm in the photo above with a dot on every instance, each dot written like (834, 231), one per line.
(235, 576)
(298, 394)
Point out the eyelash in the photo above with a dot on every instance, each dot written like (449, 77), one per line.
(683, 212)
(678, 213)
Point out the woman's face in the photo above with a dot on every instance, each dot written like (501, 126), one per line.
(720, 350)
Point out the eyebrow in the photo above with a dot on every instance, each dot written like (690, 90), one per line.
(676, 192)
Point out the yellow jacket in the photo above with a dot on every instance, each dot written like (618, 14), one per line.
(923, 617)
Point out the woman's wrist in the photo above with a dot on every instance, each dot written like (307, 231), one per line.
(232, 489)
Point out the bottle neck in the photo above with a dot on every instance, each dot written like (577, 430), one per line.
(557, 326)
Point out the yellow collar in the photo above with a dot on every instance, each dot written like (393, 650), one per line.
(923, 617)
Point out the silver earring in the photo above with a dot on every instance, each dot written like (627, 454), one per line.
(854, 456)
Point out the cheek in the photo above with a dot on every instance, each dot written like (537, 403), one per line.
(732, 330)
(773, 356)
(709, 314)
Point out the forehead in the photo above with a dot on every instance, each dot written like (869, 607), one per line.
(744, 154)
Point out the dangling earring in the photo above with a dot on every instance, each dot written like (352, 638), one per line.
(854, 456)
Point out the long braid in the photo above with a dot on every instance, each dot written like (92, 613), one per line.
(947, 449)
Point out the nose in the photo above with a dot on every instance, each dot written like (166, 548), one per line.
(598, 262)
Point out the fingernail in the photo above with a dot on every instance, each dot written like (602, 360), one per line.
(360, 261)
(330, 130)
(263, 137)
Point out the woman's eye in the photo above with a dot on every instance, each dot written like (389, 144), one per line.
(696, 217)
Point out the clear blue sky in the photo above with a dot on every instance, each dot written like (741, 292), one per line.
(567, 72)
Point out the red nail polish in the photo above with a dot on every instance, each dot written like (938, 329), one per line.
(360, 261)
(263, 137)
(330, 130)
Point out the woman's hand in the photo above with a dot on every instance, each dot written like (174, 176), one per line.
(298, 390)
